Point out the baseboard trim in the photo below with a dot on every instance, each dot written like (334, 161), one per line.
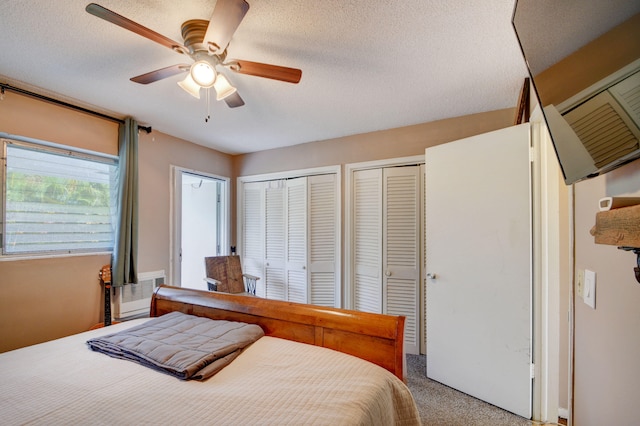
(563, 412)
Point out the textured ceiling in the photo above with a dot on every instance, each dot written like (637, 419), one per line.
(366, 65)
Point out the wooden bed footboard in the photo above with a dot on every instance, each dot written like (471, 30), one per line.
(374, 337)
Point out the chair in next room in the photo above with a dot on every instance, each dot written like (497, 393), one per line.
(224, 274)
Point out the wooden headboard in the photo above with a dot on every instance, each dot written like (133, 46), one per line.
(374, 337)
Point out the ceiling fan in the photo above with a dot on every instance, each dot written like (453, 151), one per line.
(205, 42)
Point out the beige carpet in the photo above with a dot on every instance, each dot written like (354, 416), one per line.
(441, 405)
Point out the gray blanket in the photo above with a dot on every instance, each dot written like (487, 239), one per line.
(185, 346)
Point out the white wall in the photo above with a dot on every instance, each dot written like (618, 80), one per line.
(198, 230)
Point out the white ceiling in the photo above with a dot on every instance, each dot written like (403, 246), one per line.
(366, 65)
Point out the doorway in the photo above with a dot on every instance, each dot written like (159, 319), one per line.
(200, 224)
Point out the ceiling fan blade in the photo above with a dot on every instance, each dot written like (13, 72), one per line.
(275, 72)
(128, 24)
(234, 100)
(226, 17)
(156, 75)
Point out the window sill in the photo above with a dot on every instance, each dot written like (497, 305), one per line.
(9, 258)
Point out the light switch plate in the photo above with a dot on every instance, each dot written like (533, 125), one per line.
(580, 283)
(590, 288)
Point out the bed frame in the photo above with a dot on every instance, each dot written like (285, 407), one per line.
(374, 337)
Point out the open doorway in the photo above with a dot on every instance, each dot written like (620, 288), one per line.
(200, 224)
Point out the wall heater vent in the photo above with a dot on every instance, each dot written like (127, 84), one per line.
(133, 300)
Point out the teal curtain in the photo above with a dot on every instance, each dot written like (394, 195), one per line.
(125, 250)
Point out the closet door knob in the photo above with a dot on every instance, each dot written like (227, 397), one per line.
(388, 273)
(431, 276)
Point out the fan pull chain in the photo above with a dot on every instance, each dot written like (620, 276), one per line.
(206, 120)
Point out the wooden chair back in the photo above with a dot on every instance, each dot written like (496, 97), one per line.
(228, 271)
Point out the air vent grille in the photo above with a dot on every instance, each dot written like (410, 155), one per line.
(133, 300)
(604, 129)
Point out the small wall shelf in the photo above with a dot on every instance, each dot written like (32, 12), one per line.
(620, 227)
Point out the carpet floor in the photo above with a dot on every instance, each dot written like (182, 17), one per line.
(440, 405)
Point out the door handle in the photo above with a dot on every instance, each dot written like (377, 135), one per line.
(431, 276)
(388, 273)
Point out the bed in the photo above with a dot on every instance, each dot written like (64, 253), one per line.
(276, 380)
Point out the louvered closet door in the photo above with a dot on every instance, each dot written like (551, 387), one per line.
(296, 240)
(323, 228)
(604, 128)
(627, 93)
(274, 265)
(252, 254)
(401, 249)
(367, 221)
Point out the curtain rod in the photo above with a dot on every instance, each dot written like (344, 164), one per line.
(4, 87)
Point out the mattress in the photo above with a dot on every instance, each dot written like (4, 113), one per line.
(273, 382)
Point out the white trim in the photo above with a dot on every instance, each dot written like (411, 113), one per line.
(389, 162)
(290, 174)
(572, 302)
(563, 412)
(422, 314)
(53, 256)
(547, 270)
(348, 214)
(175, 217)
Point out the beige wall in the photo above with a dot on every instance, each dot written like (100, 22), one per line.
(590, 64)
(393, 143)
(607, 339)
(43, 299)
(157, 153)
(25, 116)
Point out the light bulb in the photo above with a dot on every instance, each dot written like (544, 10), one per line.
(190, 86)
(223, 87)
(203, 73)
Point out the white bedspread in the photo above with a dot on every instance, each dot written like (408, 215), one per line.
(273, 382)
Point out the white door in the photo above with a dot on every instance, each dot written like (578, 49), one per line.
(367, 225)
(289, 233)
(296, 240)
(401, 249)
(275, 232)
(324, 282)
(253, 233)
(387, 245)
(478, 236)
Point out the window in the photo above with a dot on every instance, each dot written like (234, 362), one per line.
(56, 200)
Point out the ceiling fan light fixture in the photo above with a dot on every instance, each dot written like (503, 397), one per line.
(223, 88)
(203, 73)
(190, 86)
